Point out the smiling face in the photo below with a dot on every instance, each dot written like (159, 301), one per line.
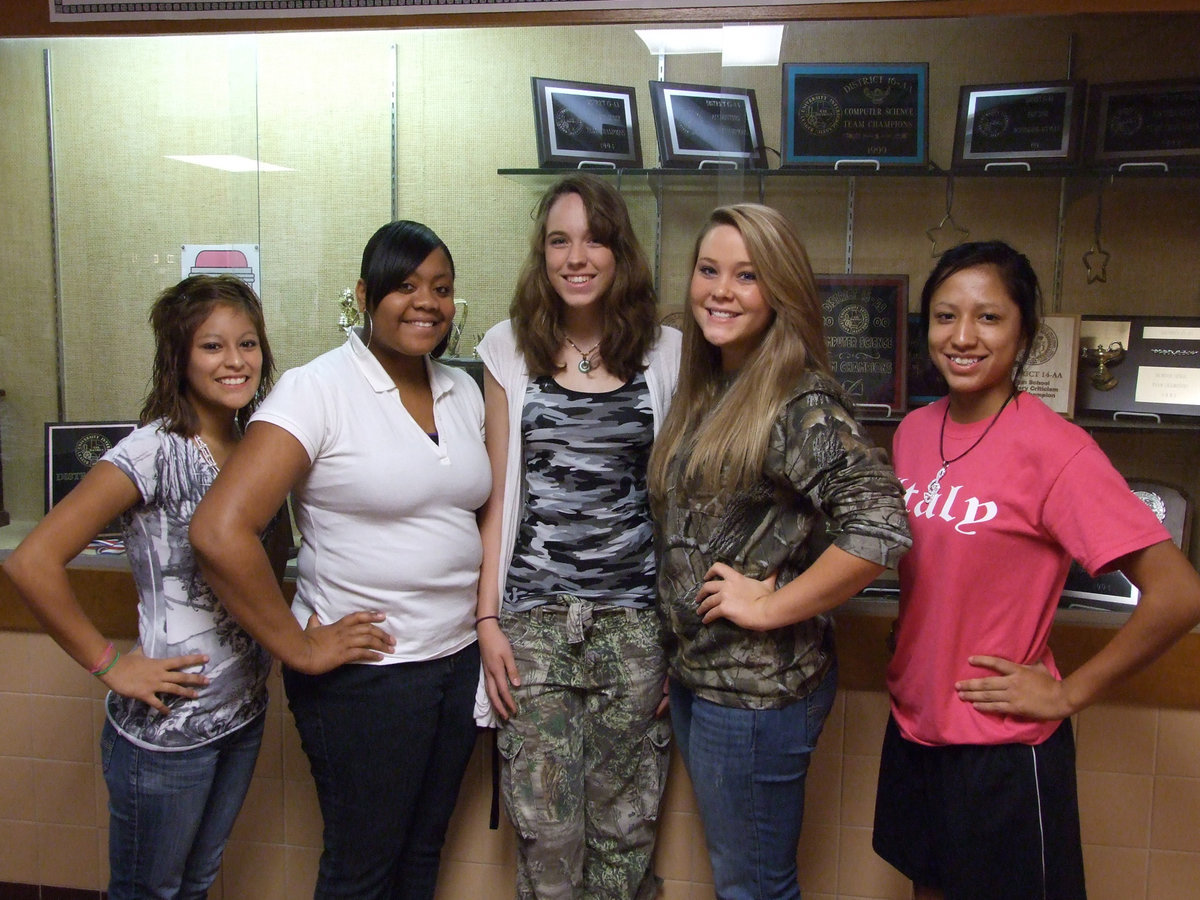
(580, 268)
(725, 297)
(225, 362)
(974, 340)
(411, 320)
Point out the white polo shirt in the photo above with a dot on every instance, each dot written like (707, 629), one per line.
(386, 516)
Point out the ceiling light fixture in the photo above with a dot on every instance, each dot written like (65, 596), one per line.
(228, 162)
(739, 45)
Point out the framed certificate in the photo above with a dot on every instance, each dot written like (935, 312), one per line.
(1148, 123)
(1139, 365)
(74, 447)
(701, 127)
(1019, 126)
(865, 319)
(1052, 363)
(582, 125)
(867, 113)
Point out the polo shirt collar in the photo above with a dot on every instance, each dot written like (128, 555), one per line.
(380, 381)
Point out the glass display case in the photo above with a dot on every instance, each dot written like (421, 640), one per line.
(120, 153)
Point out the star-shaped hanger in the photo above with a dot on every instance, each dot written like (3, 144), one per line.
(1097, 253)
(954, 233)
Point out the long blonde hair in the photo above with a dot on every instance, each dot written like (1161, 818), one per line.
(725, 432)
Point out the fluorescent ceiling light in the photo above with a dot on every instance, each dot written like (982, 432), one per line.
(231, 163)
(739, 45)
(750, 45)
(669, 41)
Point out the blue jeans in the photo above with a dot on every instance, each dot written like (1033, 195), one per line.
(748, 768)
(170, 813)
(388, 746)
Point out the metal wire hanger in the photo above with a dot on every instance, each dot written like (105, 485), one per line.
(1097, 253)
(948, 227)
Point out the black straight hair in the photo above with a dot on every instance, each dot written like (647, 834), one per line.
(1015, 272)
(393, 253)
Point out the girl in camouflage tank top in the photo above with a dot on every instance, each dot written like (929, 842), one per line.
(577, 383)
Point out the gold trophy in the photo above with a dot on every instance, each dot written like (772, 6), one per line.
(348, 314)
(1102, 357)
(456, 330)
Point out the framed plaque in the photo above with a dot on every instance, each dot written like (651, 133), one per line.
(865, 320)
(868, 113)
(1052, 363)
(924, 383)
(1170, 505)
(1019, 126)
(701, 127)
(1152, 123)
(1113, 591)
(74, 447)
(582, 125)
(1140, 365)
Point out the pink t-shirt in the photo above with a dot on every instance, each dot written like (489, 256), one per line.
(990, 556)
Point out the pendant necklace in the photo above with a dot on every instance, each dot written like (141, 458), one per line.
(585, 360)
(935, 486)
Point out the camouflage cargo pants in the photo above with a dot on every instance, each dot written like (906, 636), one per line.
(584, 760)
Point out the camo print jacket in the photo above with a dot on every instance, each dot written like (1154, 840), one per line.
(824, 481)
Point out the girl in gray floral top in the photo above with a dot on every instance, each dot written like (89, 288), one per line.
(772, 508)
(185, 706)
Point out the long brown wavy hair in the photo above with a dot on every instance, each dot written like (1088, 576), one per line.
(628, 308)
(174, 318)
(724, 430)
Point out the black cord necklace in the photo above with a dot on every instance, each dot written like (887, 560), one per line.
(935, 486)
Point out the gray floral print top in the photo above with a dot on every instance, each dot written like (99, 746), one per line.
(178, 613)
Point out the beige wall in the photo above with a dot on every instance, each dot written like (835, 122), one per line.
(1139, 782)
(26, 278)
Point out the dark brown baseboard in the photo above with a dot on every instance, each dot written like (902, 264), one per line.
(11, 891)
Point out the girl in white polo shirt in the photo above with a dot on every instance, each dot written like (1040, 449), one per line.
(382, 451)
